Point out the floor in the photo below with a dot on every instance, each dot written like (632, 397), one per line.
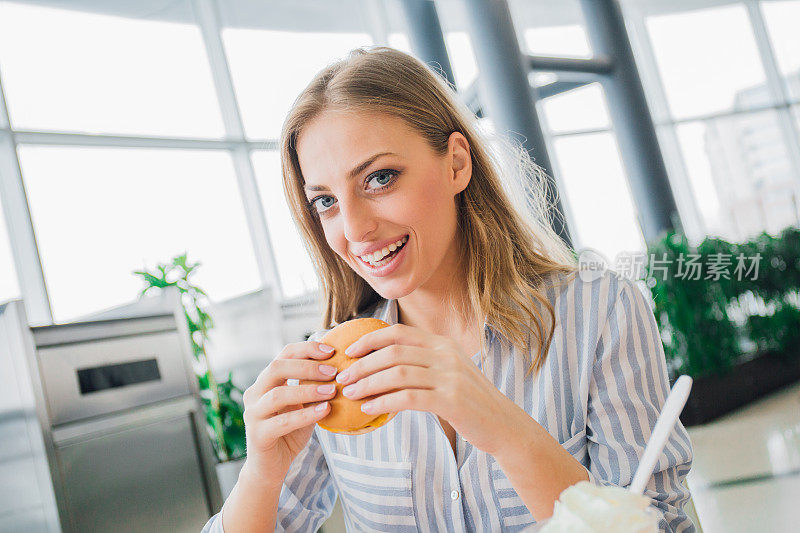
(746, 471)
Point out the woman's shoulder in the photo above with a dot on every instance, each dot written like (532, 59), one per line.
(597, 291)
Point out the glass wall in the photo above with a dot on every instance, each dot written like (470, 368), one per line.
(133, 152)
(273, 53)
(163, 140)
(149, 77)
(584, 150)
(727, 103)
(101, 213)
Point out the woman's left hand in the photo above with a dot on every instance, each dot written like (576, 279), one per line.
(409, 368)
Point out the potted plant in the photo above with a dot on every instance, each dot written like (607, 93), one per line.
(731, 320)
(222, 400)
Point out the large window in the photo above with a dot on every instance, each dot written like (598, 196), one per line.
(580, 109)
(160, 175)
(704, 75)
(735, 135)
(594, 183)
(462, 59)
(294, 264)
(742, 174)
(101, 213)
(585, 154)
(270, 68)
(273, 54)
(83, 72)
(567, 40)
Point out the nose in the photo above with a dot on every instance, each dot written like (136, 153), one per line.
(358, 220)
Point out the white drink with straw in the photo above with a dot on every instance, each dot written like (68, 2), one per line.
(588, 508)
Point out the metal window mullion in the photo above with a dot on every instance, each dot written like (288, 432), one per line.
(130, 141)
(789, 129)
(21, 236)
(208, 21)
(728, 113)
(693, 223)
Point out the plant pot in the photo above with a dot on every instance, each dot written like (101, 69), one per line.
(714, 396)
(228, 475)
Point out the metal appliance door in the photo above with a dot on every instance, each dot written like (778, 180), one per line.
(138, 479)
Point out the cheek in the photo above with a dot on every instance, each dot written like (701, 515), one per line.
(336, 240)
(333, 236)
(433, 206)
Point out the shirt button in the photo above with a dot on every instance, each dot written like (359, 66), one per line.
(454, 495)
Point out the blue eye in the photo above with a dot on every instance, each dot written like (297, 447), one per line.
(382, 174)
(384, 178)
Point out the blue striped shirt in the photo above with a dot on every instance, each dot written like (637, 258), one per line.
(599, 393)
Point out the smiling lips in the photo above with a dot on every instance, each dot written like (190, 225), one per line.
(376, 258)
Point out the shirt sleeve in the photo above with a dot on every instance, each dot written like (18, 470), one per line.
(214, 525)
(628, 388)
(307, 496)
(308, 493)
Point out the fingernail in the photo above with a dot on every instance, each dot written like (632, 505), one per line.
(326, 389)
(349, 350)
(325, 348)
(367, 407)
(321, 406)
(342, 377)
(347, 391)
(327, 369)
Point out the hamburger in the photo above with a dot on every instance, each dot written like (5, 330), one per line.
(346, 415)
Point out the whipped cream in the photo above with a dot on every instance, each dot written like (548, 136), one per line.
(589, 508)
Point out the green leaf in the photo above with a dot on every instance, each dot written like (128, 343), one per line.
(700, 336)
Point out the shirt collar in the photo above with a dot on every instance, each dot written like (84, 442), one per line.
(387, 311)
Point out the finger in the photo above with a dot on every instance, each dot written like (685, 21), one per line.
(305, 349)
(284, 423)
(383, 358)
(396, 377)
(278, 399)
(380, 338)
(416, 399)
(280, 370)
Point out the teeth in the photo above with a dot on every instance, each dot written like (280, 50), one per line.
(380, 254)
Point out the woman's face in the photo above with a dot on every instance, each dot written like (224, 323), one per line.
(374, 181)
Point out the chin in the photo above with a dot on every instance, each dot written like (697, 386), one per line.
(391, 293)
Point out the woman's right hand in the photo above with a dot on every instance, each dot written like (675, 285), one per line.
(277, 426)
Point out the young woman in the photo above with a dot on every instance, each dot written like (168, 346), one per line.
(512, 377)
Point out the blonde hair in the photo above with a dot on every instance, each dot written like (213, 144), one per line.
(509, 249)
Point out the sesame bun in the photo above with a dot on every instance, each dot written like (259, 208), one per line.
(346, 415)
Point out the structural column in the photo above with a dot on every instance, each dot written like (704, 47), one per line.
(506, 93)
(632, 120)
(427, 39)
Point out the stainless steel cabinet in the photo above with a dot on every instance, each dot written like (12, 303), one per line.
(102, 427)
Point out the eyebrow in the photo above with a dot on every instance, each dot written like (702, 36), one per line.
(353, 173)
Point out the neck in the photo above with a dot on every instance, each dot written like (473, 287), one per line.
(440, 307)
